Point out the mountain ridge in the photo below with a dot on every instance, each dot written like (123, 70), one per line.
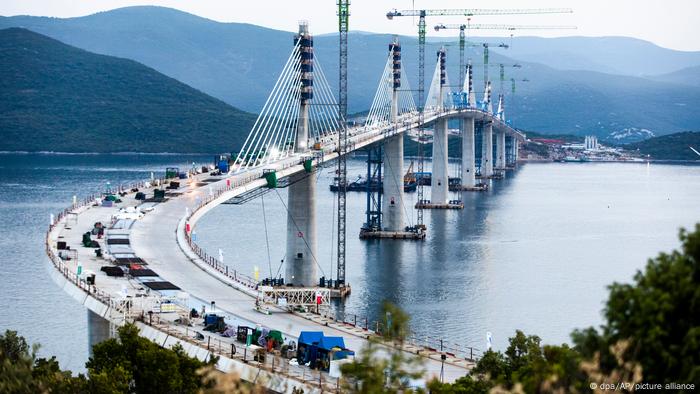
(238, 63)
(55, 97)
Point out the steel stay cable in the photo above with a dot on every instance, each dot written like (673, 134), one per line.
(281, 106)
(293, 57)
(267, 101)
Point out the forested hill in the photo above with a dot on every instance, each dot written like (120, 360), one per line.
(569, 85)
(55, 97)
(670, 147)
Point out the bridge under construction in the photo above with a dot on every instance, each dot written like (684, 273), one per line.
(301, 128)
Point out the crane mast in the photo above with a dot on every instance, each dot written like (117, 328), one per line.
(342, 176)
(421, 103)
(482, 26)
(477, 11)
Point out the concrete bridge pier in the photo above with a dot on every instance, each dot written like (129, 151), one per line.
(439, 179)
(99, 329)
(487, 151)
(500, 150)
(393, 205)
(468, 174)
(301, 265)
(393, 215)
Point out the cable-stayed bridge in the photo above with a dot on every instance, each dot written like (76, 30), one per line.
(298, 130)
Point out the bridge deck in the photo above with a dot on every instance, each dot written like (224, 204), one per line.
(155, 240)
(159, 239)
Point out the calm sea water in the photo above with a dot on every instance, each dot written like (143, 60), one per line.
(534, 253)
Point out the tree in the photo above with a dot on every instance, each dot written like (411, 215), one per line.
(127, 364)
(142, 366)
(525, 366)
(658, 315)
(22, 372)
(651, 334)
(384, 369)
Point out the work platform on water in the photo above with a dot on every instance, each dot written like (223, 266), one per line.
(426, 204)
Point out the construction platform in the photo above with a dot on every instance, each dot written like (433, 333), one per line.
(426, 204)
(482, 187)
(494, 176)
(380, 234)
(341, 292)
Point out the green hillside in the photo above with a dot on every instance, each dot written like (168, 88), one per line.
(55, 97)
(572, 87)
(670, 147)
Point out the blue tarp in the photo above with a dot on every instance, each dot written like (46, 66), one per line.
(311, 337)
(328, 343)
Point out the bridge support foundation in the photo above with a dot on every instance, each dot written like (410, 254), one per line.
(301, 232)
(393, 206)
(500, 150)
(487, 151)
(439, 179)
(468, 174)
(99, 329)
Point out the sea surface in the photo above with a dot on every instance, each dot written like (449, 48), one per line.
(536, 252)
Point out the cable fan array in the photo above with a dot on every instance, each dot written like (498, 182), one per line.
(380, 111)
(274, 133)
(431, 101)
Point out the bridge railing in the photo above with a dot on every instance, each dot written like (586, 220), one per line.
(269, 362)
(67, 272)
(429, 343)
(212, 261)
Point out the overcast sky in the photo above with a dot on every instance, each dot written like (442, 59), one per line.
(669, 23)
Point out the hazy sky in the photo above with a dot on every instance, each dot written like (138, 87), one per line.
(668, 23)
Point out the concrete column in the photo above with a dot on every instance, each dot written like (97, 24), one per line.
(439, 180)
(468, 166)
(301, 202)
(439, 188)
(515, 150)
(393, 209)
(500, 149)
(301, 233)
(487, 151)
(99, 329)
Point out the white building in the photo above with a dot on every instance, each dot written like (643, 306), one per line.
(591, 142)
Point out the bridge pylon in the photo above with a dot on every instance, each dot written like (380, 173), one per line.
(392, 220)
(439, 178)
(301, 264)
(467, 174)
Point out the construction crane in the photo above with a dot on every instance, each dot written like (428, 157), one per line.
(482, 26)
(464, 32)
(421, 14)
(502, 72)
(512, 92)
(343, 17)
